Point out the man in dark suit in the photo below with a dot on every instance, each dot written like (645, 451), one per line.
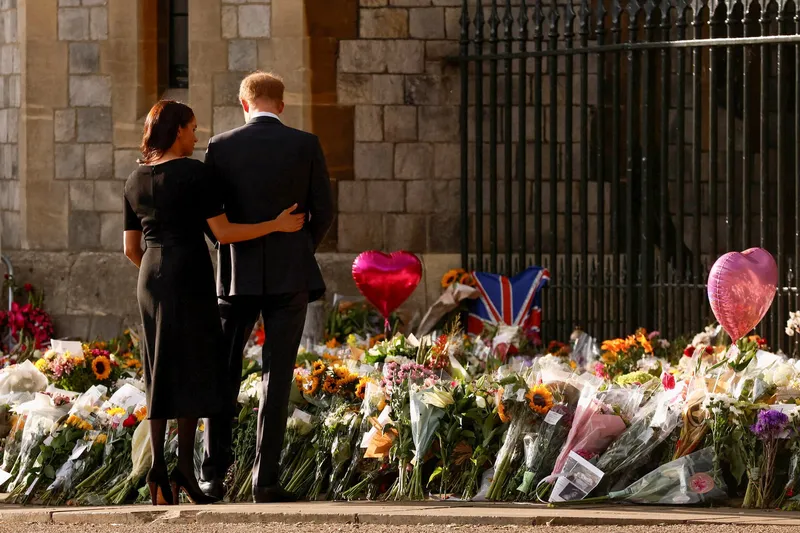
(260, 168)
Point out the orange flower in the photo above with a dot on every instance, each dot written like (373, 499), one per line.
(540, 399)
(451, 276)
(376, 339)
(361, 388)
(332, 343)
(501, 408)
(318, 368)
(467, 279)
(310, 385)
(330, 386)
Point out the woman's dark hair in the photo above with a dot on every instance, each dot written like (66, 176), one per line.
(161, 128)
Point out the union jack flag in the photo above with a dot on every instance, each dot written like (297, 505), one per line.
(516, 301)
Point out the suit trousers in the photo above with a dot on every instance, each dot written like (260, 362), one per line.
(284, 318)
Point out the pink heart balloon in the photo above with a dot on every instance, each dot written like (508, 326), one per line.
(741, 287)
(387, 280)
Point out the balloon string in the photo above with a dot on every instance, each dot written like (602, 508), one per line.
(387, 328)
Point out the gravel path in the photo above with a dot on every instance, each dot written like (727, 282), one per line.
(338, 528)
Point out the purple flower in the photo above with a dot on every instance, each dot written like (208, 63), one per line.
(770, 424)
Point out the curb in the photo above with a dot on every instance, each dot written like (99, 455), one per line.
(401, 515)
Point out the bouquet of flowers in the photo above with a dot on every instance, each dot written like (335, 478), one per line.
(621, 356)
(27, 322)
(427, 410)
(769, 428)
(141, 458)
(79, 372)
(85, 457)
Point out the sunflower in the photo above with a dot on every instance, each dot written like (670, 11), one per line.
(310, 385)
(467, 279)
(451, 276)
(318, 368)
(361, 388)
(340, 372)
(101, 367)
(330, 386)
(501, 408)
(540, 399)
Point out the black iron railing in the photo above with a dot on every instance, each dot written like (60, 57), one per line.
(625, 146)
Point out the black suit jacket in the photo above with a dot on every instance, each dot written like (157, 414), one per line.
(261, 169)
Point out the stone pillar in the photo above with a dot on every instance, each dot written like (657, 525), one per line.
(44, 88)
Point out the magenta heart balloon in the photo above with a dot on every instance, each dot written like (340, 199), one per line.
(387, 280)
(741, 287)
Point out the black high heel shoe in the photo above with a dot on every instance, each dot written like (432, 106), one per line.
(180, 483)
(159, 485)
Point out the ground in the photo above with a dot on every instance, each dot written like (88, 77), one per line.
(374, 528)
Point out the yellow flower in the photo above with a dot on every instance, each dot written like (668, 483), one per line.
(573, 365)
(101, 439)
(310, 385)
(361, 388)
(141, 413)
(340, 372)
(42, 365)
(101, 367)
(330, 386)
(540, 399)
(318, 368)
(114, 411)
(133, 363)
(451, 276)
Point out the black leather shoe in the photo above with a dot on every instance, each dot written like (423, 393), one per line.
(274, 494)
(213, 489)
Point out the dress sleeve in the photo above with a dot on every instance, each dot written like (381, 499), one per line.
(209, 200)
(131, 222)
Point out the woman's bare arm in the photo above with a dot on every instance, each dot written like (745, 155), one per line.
(132, 244)
(227, 232)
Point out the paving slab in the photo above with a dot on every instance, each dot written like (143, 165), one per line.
(399, 514)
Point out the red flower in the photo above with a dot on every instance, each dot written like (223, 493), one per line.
(668, 380)
(130, 421)
(689, 351)
(28, 287)
(709, 350)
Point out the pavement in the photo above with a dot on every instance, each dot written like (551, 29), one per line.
(451, 514)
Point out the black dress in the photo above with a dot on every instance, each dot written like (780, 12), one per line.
(170, 203)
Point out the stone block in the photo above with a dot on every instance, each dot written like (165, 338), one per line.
(431, 90)
(99, 24)
(405, 232)
(105, 327)
(439, 50)
(125, 163)
(9, 195)
(438, 123)
(362, 56)
(81, 195)
(383, 23)
(359, 232)
(10, 33)
(373, 161)
(73, 24)
(242, 55)
(94, 125)
(48, 271)
(448, 3)
(90, 91)
(10, 230)
(84, 231)
(9, 162)
(254, 21)
(353, 196)
(405, 57)
(99, 161)
(111, 228)
(387, 89)
(444, 233)
(108, 196)
(413, 161)
(409, 3)
(354, 88)
(227, 118)
(69, 161)
(95, 276)
(230, 22)
(226, 88)
(92, 3)
(13, 91)
(84, 58)
(447, 161)
(373, 3)
(12, 125)
(423, 196)
(369, 123)
(72, 326)
(452, 23)
(400, 123)
(9, 59)
(426, 23)
(69, 3)
(386, 196)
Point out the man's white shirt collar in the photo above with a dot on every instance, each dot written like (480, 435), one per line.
(258, 114)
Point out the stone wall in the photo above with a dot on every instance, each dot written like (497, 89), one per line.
(9, 125)
(88, 78)
(405, 192)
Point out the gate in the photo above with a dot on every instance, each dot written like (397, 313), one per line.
(625, 146)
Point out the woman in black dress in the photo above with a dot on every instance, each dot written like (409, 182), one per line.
(170, 199)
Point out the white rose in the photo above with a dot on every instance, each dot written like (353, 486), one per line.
(480, 401)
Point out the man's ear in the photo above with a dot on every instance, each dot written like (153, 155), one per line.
(245, 105)
(281, 107)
